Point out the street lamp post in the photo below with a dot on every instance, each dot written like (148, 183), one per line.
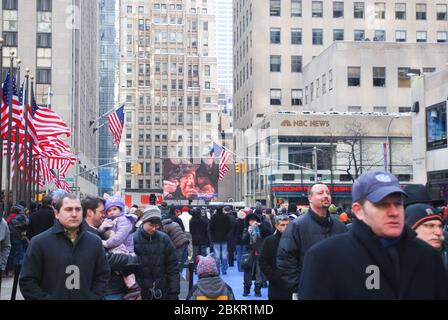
(386, 144)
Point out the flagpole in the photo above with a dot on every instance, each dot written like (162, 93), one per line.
(2, 196)
(15, 182)
(105, 114)
(36, 191)
(30, 154)
(25, 141)
(8, 154)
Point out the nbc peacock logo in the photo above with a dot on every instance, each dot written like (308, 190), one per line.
(286, 123)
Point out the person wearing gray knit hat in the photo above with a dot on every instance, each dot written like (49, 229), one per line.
(151, 213)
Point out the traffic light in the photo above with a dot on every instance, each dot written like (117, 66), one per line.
(243, 167)
(140, 170)
(238, 168)
(132, 169)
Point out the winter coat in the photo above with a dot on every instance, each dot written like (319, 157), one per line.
(40, 221)
(49, 262)
(238, 231)
(174, 231)
(122, 228)
(5, 244)
(199, 230)
(18, 226)
(211, 288)
(220, 227)
(159, 264)
(343, 268)
(267, 261)
(300, 235)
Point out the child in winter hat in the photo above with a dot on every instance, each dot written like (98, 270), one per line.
(114, 206)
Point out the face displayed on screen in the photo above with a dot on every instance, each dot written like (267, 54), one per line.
(188, 185)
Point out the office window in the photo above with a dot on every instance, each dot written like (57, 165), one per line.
(311, 91)
(359, 35)
(441, 36)
(296, 8)
(338, 9)
(330, 80)
(276, 63)
(400, 36)
(208, 117)
(44, 22)
(380, 109)
(275, 8)
(10, 39)
(296, 63)
(317, 9)
(128, 184)
(317, 37)
(380, 35)
(380, 10)
(442, 12)
(44, 5)
(324, 83)
(338, 34)
(379, 76)
(275, 35)
(306, 95)
(404, 81)
(43, 76)
(205, 26)
(404, 109)
(296, 97)
(421, 36)
(276, 97)
(354, 76)
(400, 11)
(420, 11)
(354, 109)
(10, 4)
(358, 10)
(296, 36)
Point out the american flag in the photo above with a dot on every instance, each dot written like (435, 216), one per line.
(116, 123)
(16, 108)
(224, 156)
(48, 123)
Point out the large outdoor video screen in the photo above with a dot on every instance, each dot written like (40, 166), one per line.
(190, 179)
(436, 126)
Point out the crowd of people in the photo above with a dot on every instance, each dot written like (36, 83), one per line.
(389, 245)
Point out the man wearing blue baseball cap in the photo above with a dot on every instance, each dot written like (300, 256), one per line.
(380, 257)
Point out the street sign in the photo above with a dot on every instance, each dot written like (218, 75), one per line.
(75, 188)
(69, 179)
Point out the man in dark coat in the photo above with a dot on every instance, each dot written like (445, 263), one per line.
(199, 233)
(42, 219)
(158, 274)
(268, 258)
(93, 213)
(304, 232)
(220, 228)
(65, 262)
(380, 257)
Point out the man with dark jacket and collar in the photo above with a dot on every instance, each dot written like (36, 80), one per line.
(43, 219)
(65, 262)
(305, 231)
(380, 257)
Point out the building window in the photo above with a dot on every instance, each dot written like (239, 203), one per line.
(400, 36)
(205, 26)
(296, 8)
(324, 83)
(317, 9)
(354, 109)
(275, 35)
(421, 36)
(276, 63)
(128, 184)
(207, 84)
(43, 76)
(338, 34)
(404, 81)
(379, 109)
(311, 91)
(208, 117)
(404, 109)
(296, 97)
(358, 10)
(330, 80)
(44, 5)
(359, 35)
(441, 36)
(296, 36)
(442, 12)
(275, 8)
(420, 11)
(44, 22)
(380, 10)
(296, 63)
(354, 76)
(400, 11)
(10, 4)
(276, 97)
(317, 37)
(428, 70)
(379, 76)
(338, 9)
(380, 35)
(10, 39)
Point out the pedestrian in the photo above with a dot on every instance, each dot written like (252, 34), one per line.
(268, 258)
(220, 228)
(5, 244)
(185, 217)
(164, 209)
(199, 234)
(18, 223)
(174, 216)
(230, 241)
(43, 219)
(179, 239)
(66, 261)
(238, 237)
(380, 257)
(210, 285)
(93, 213)
(158, 274)
(304, 232)
(253, 239)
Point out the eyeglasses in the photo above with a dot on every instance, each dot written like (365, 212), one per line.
(432, 226)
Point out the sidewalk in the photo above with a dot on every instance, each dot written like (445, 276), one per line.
(7, 289)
